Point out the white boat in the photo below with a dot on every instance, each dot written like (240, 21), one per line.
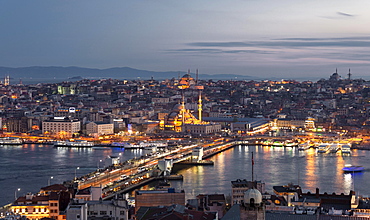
(323, 148)
(10, 141)
(76, 143)
(278, 143)
(334, 148)
(346, 149)
(290, 143)
(304, 146)
(351, 168)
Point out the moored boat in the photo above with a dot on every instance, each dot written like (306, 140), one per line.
(334, 148)
(304, 146)
(351, 168)
(290, 143)
(278, 143)
(11, 141)
(76, 143)
(323, 148)
(346, 149)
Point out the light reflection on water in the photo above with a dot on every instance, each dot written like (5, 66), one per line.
(30, 166)
(278, 166)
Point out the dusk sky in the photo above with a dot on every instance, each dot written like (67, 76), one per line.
(265, 38)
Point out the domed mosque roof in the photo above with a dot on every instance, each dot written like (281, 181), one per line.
(187, 76)
(252, 196)
(177, 107)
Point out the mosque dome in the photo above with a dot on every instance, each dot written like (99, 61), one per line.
(252, 196)
(177, 107)
(187, 76)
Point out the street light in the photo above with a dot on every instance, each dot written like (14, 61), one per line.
(15, 193)
(49, 180)
(99, 164)
(76, 172)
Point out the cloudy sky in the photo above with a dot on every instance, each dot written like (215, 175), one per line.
(265, 38)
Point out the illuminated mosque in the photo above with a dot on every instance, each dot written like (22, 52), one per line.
(181, 119)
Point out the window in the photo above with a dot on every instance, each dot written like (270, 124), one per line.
(122, 212)
(103, 212)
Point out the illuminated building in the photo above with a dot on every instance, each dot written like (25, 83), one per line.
(61, 126)
(99, 128)
(48, 203)
(283, 123)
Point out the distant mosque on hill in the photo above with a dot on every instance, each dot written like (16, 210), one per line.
(181, 119)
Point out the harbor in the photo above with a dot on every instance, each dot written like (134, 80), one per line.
(291, 155)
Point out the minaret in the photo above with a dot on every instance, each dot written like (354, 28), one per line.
(183, 107)
(349, 74)
(6, 80)
(200, 109)
(200, 106)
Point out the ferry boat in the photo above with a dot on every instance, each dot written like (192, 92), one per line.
(304, 146)
(290, 143)
(267, 143)
(278, 143)
(346, 149)
(334, 148)
(350, 168)
(323, 148)
(11, 141)
(76, 143)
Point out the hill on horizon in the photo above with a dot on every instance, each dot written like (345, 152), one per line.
(63, 73)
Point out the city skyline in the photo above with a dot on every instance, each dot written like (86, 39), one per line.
(255, 38)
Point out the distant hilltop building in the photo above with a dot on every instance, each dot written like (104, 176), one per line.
(335, 76)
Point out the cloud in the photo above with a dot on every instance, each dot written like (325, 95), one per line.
(359, 42)
(310, 51)
(339, 15)
(326, 39)
(345, 14)
(202, 50)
